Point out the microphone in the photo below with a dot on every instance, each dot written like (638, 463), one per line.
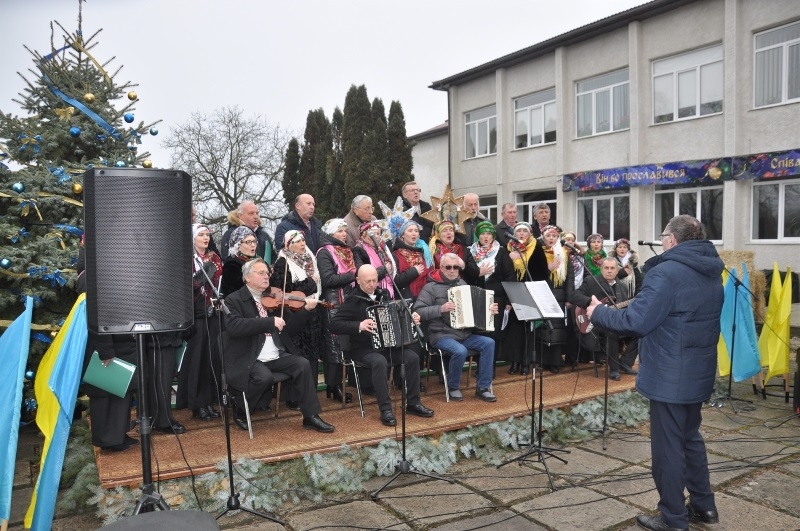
(512, 238)
(568, 245)
(642, 242)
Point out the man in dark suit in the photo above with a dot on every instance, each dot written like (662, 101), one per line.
(509, 215)
(351, 319)
(411, 198)
(258, 344)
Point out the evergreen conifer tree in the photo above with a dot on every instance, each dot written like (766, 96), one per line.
(291, 173)
(338, 202)
(74, 122)
(357, 124)
(400, 162)
(376, 154)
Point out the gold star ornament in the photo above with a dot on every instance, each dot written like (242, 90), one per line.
(447, 208)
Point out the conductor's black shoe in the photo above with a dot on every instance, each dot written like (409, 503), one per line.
(523, 369)
(704, 517)
(628, 371)
(316, 423)
(201, 414)
(294, 406)
(419, 410)
(240, 419)
(177, 428)
(387, 418)
(656, 523)
(553, 369)
(126, 443)
(614, 375)
(514, 369)
(213, 412)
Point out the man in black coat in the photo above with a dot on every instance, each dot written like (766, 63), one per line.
(411, 193)
(352, 320)
(258, 344)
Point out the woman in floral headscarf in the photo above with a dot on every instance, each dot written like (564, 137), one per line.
(414, 260)
(594, 254)
(337, 270)
(241, 248)
(629, 273)
(372, 249)
(494, 267)
(527, 251)
(297, 267)
(562, 283)
(444, 241)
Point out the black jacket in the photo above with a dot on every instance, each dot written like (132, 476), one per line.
(333, 282)
(350, 314)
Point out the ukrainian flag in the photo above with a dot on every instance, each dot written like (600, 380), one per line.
(14, 345)
(56, 389)
(746, 362)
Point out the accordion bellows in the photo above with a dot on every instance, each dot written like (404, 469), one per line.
(472, 307)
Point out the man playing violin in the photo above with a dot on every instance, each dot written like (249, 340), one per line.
(259, 342)
(351, 319)
(606, 287)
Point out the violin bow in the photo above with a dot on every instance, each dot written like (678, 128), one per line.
(285, 275)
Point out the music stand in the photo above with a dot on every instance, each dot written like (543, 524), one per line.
(535, 301)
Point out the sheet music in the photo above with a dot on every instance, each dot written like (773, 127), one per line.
(544, 299)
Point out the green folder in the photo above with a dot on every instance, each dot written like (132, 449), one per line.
(114, 378)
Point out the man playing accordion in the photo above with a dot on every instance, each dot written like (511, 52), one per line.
(352, 320)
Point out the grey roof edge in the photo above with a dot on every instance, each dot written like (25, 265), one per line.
(440, 129)
(583, 33)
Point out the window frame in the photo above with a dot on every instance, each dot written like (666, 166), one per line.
(488, 120)
(528, 110)
(488, 207)
(784, 66)
(781, 218)
(594, 197)
(675, 191)
(605, 88)
(698, 87)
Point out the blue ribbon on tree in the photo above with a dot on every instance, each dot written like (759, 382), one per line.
(75, 231)
(23, 233)
(36, 271)
(44, 338)
(61, 173)
(35, 140)
(55, 278)
(135, 136)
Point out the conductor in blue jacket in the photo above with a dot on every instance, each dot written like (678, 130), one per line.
(677, 316)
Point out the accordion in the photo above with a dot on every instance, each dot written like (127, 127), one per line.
(395, 327)
(472, 307)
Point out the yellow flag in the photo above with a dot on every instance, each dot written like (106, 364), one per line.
(772, 309)
(723, 359)
(779, 340)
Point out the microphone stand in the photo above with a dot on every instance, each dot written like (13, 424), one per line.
(405, 466)
(535, 448)
(233, 503)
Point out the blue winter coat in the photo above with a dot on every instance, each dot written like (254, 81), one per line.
(677, 316)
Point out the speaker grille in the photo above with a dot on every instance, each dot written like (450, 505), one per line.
(138, 250)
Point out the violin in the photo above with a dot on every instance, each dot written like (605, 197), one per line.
(294, 300)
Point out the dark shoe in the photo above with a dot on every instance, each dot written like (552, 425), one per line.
(240, 419)
(704, 517)
(335, 392)
(316, 423)
(177, 428)
(554, 370)
(614, 375)
(656, 523)
(419, 410)
(387, 418)
(126, 443)
(213, 412)
(524, 369)
(514, 369)
(485, 395)
(201, 414)
(628, 371)
(294, 406)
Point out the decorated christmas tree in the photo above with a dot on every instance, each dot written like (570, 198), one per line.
(77, 117)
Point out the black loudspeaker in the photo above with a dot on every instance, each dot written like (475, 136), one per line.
(138, 250)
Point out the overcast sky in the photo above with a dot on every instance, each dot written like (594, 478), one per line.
(281, 59)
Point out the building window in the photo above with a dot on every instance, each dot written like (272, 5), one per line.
(688, 85)
(776, 210)
(488, 207)
(704, 203)
(535, 119)
(606, 214)
(603, 103)
(777, 76)
(481, 132)
(527, 200)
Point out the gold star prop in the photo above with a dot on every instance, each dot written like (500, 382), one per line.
(447, 208)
